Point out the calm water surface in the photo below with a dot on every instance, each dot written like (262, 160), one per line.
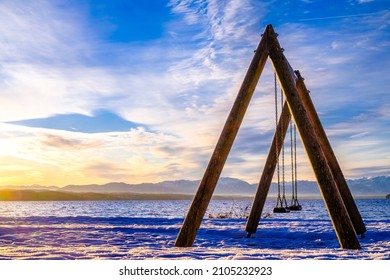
(312, 209)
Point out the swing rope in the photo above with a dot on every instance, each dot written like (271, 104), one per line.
(292, 164)
(281, 203)
(294, 182)
(277, 132)
(295, 164)
(284, 202)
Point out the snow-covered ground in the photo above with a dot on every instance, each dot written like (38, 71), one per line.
(84, 236)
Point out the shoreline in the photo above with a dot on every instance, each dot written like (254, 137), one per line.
(45, 195)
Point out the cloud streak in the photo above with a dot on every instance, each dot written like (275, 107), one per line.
(338, 17)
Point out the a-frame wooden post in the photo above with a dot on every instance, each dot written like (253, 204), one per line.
(333, 201)
(269, 45)
(207, 185)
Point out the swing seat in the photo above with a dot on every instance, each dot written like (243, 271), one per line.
(295, 207)
(281, 210)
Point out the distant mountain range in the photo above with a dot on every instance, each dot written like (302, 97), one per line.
(364, 187)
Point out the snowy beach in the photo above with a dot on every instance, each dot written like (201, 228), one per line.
(142, 230)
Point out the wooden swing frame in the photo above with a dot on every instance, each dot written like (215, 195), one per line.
(338, 199)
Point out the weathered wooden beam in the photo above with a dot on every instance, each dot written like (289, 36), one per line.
(268, 171)
(334, 166)
(213, 171)
(334, 203)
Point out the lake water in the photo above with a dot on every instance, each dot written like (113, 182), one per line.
(147, 229)
(312, 209)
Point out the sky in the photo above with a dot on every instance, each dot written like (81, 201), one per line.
(95, 91)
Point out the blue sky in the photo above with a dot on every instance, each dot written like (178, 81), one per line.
(138, 91)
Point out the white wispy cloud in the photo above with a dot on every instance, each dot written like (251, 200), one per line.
(41, 32)
(44, 57)
(365, 1)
